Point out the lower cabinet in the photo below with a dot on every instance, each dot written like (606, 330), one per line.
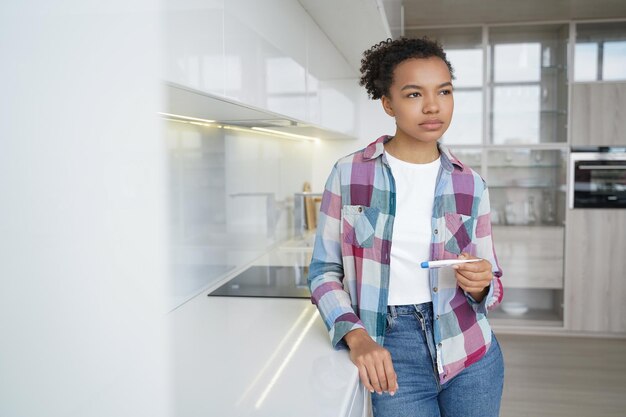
(531, 258)
(595, 271)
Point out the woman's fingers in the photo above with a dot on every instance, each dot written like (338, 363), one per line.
(373, 362)
(365, 378)
(471, 284)
(392, 378)
(377, 373)
(382, 376)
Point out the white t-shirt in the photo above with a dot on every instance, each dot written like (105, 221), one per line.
(415, 196)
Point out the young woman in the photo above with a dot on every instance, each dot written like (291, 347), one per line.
(419, 337)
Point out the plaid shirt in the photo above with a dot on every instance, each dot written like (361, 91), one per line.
(349, 271)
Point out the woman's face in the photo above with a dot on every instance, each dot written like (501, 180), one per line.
(420, 98)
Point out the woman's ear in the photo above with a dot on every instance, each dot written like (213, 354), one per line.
(386, 102)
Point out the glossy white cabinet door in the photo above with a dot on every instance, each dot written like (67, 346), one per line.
(194, 44)
(247, 356)
(266, 56)
(332, 85)
(338, 104)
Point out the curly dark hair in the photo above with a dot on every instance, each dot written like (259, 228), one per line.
(380, 61)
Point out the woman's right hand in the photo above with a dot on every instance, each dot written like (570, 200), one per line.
(373, 361)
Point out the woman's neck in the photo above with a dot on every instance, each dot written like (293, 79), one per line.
(412, 150)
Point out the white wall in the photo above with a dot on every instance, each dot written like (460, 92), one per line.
(82, 225)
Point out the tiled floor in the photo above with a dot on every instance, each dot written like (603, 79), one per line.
(563, 376)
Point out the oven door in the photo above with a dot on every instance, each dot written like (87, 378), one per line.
(597, 180)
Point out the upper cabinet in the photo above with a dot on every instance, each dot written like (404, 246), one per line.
(599, 114)
(269, 55)
(265, 55)
(600, 51)
(528, 80)
(194, 44)
(599, 90)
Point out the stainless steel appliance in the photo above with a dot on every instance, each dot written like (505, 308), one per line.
(597, 177)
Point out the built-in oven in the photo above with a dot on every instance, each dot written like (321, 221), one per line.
(597, 177)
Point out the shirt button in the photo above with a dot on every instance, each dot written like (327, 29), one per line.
(439, 344)
(360, 209)
(435, 289)
(437, 318)
(436, 231)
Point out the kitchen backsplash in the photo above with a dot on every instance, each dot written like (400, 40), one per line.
(231, 197)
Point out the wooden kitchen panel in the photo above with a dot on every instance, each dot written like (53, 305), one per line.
(595, 270)
(530, 257)
(598, 114)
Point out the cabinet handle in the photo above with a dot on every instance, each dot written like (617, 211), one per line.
(602, 167)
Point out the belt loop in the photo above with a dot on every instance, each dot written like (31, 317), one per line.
(394, 313)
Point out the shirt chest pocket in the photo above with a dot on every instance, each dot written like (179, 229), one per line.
(358, 225)
(459, 232)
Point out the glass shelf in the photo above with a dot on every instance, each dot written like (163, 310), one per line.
(519, 186)
(533, 317)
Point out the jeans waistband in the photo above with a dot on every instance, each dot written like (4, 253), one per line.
(403, 310)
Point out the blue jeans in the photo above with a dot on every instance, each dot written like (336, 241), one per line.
(476, 391)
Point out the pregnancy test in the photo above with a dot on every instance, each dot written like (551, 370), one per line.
(447, 262)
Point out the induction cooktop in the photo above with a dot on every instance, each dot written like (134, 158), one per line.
(267, 281)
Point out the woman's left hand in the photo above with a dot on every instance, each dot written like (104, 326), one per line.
(474, 277)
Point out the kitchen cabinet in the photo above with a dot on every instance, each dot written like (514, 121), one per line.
(546, 87)
(532, 257)
(194, 44)
(291, 368)
(595, 288)
(264, 46)
(528, 84)
(270, 55)
(599, 114)
(528, 202)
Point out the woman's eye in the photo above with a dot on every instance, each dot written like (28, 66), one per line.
(412, 95)
(445, 92)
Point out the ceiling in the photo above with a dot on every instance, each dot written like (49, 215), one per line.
(419, 13)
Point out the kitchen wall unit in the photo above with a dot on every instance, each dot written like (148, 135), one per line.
(268, 54)
(545, 87)
(528, 83)
(517, 76)
(595, 288)
(527, 190)
(599, 114)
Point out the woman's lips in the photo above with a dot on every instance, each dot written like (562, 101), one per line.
(431, 124)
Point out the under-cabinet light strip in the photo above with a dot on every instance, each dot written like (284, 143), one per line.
(178, 116)
(287, 134)
(254, 129)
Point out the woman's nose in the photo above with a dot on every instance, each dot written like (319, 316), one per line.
(430, 105)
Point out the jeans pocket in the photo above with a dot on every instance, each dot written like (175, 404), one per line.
(391, 323)
(359, 225)
(459, 232)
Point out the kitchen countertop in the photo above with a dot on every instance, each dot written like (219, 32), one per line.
(236, 357)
